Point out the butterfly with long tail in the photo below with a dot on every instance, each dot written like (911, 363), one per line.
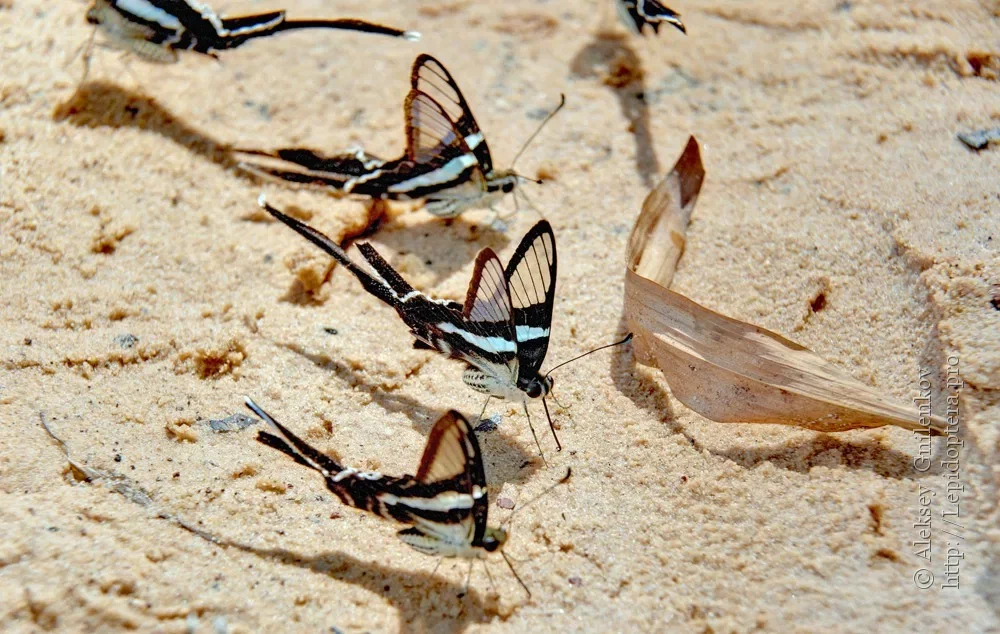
(637, 14)
(157, 30)
(447, 162)
(445, 504)
(501, 331)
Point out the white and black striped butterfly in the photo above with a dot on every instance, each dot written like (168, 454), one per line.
(447, 162)
(501, 331)
(445, 504)
(636, 14)
(157, 30)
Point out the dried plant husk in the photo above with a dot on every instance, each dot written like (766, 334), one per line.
(724, 369)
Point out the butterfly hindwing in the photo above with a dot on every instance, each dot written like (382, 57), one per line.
(531, 280)
(431, 135)
(452, 455)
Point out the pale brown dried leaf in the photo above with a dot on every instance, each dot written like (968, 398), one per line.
(722, 368)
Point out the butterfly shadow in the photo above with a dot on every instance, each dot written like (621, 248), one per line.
(444, 247)
(97, 104)
(610, 58)
(425, 602)
(421, 417)
(506, 459)
(645, 388)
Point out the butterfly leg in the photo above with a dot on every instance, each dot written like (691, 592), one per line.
(489, 576)
(551, 426)
(497, 223)
(483, 412)
(514, 572)
(534, 435)
(436, 566)
(124, 59)
(87, 49)
(468, 577)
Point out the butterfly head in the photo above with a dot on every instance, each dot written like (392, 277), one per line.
(539, 386)
(502, 181)
(494, 539)
(94, 13)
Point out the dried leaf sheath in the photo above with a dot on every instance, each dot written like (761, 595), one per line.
(724, 369)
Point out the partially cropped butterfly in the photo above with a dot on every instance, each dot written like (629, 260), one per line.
(636, 14)
(445, 504)
(157, 30)
(447, 163)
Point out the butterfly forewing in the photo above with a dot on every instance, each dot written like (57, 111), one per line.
(531, 280)
(431, 78)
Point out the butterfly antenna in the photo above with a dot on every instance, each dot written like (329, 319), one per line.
(562, 102)
(627, 338)
(551, 426)
(514, 572)
(535, 436)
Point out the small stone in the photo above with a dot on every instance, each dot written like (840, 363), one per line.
(575, 581)
(487, 425)
(127, 340)
(236, 422)
(505, 503)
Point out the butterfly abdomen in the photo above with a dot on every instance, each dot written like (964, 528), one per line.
(486, 384)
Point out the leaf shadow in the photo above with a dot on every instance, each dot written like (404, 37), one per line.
(97, 104)
(506, 458)
(798, 455)
(425, 602)
(610, 58)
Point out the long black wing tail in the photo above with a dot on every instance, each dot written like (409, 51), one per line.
(303, 166)
(377, 288)
(285, 441)
(398, 285)
(349, 24)
(239, 30)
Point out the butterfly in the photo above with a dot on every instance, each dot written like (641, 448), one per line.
(501, 331)
(447, 162)
(156, 30)
(445, 504)
(636, 14)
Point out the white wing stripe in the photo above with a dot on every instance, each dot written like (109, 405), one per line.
(498, 344)
(442, 502)
(527, 333)
(146, 11)
(444, 174)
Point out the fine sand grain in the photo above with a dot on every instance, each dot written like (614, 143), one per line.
(144, 295)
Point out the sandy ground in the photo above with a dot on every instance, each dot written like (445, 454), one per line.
(144, 295)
